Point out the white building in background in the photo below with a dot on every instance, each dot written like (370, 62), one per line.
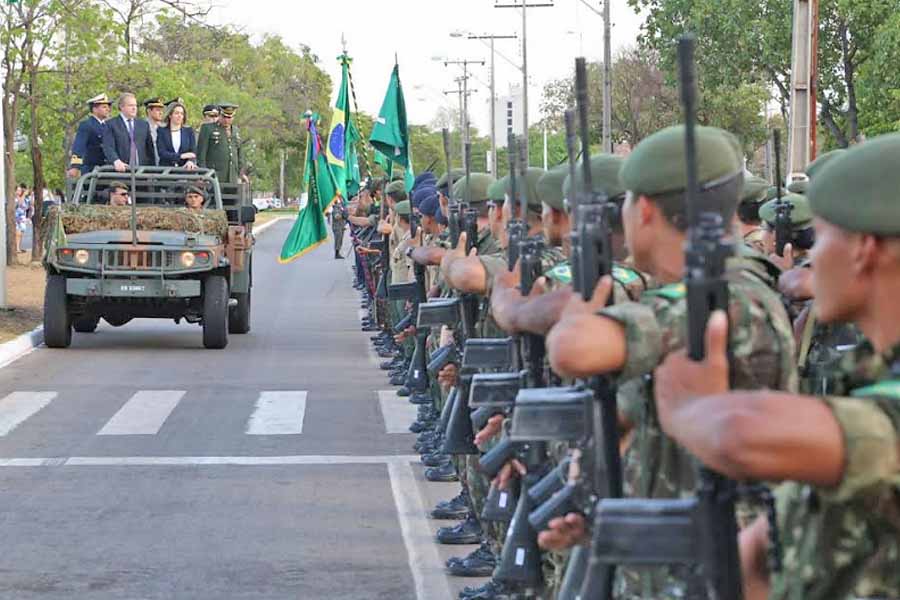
(500, 118)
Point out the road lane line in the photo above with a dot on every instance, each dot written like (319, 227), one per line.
(19, 406)
(278, 413)
(240, 461)
(143, 414)
(398, 412)
(424, 562)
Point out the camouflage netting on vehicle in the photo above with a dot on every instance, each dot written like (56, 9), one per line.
(85, 218)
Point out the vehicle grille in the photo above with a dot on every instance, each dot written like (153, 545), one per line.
(136, 259)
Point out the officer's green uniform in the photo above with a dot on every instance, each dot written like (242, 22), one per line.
(844, 542)
(761, 345)
(220, 148)
(338, 224)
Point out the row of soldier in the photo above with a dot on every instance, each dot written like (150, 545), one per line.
(163, 139)
(798, 386)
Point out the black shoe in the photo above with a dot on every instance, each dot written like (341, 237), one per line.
(445, 474)
(436, 459)
(399, 380)
(368, 328)
(420, 398)
(338, 257)
(466, 532)
(428, 436)
(479, 563)
(422, 425)
(492, 590)
(387, 353)
(403, 391)
(426, 447)
(455, 508)
(390, 365)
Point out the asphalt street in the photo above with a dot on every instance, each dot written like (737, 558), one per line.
(136, 464)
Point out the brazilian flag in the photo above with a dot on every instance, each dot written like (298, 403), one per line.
(310, 229)
(342, 139)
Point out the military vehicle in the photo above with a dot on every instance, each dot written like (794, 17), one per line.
(151, 258)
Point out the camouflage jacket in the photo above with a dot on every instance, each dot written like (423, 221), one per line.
(629, 282)
(654, 466)
(844, 542)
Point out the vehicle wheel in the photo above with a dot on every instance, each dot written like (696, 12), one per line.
(239, 317)
(116, 320)
(215, 312)
(57, 322)
(86, 324)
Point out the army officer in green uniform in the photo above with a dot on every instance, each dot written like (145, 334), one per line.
(219, 147)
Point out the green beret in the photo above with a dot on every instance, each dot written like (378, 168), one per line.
(755, 189)
(801, 216)
(605, 179)
(195, 189)
(657, 165)
(473, 189)
(772, 192)
(497, 191)
(402, 208)
(822, 160)
(457, 175)
(550, 187)
(532, 175)
(858, 190)
(396, 189)
(798, 187)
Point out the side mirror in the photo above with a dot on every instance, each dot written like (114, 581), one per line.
(248, 214)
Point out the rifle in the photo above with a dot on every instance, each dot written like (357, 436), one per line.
(701, 530)
(516, 229)
(453, 208)
(783, 231)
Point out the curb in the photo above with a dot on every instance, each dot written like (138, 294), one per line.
(16, 348)
(266, 225)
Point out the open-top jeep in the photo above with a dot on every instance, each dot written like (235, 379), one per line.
(152, 257)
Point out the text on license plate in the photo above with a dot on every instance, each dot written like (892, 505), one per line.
(132, 288)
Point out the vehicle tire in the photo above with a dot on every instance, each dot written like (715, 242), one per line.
(239, 316)
(86, 324)
(215, 312)
(57, 322)
(116, 320)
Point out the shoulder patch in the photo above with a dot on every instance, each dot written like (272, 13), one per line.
(561, 273)
(624, 276)
(673, 291)
(890, 388)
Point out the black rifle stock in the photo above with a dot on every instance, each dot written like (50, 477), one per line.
(783, 230)
(700, 530)
(453, 215)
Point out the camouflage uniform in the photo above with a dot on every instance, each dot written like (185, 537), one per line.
(654, 466)
(844, 542)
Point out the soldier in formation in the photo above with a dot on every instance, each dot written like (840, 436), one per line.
(813, 313)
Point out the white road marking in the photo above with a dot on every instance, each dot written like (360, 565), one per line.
(199, 461)
(144, 414)
(424, 562)
(278, 413)
(398, 413)
(19, 406)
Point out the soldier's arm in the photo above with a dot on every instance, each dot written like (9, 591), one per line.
(202, 146)
(584, 343)
(534, 314)
(79, 149)
(429, 256)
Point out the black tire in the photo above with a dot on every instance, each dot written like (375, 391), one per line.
(57, 322)
(239, 316)
(116, 320)
(86, 324)
(215, 312)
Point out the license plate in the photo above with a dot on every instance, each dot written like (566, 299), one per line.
(132, 288)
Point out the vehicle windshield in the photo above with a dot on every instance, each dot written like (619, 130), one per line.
(150, 186)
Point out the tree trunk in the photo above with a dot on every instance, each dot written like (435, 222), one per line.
(37, 169)
(828, 119)
(849, 78)
(9, 138)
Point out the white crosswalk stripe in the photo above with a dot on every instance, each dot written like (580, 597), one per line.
(398, 412)
(278, 413)
(143, 414)
(19, 406)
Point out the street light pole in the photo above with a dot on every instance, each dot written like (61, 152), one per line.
(607, 83)
(464, 92)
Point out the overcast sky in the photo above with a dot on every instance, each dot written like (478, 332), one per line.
(418, 30)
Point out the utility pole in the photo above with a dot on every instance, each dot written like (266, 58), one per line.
(464, 98)
(802, 139)
(3, 201)
(492, 37)
(462, 92)
(281, 181)
(524, 6)
(607, 145)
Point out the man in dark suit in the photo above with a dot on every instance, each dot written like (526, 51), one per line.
(87, 149)
(127, 141)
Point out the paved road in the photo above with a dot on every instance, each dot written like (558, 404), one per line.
(136, 464)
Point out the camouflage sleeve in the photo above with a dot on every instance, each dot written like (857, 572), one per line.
(631, 397)
(870, 448)
(493, 264)
(373, 220)
(652, 328)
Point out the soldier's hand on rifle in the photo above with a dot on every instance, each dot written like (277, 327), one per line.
(679, 379)
(448, 376)
(576, 306)
(786, 262)
(384, 228)
(564, 532)
(508, 472)
(509, 279)
(490, 430)
(405, 334)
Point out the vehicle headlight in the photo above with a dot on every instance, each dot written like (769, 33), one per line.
(188, 259)
(82, 256)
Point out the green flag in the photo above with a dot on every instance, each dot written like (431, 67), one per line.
(310, 230)
(389, 134)
(342, 138)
